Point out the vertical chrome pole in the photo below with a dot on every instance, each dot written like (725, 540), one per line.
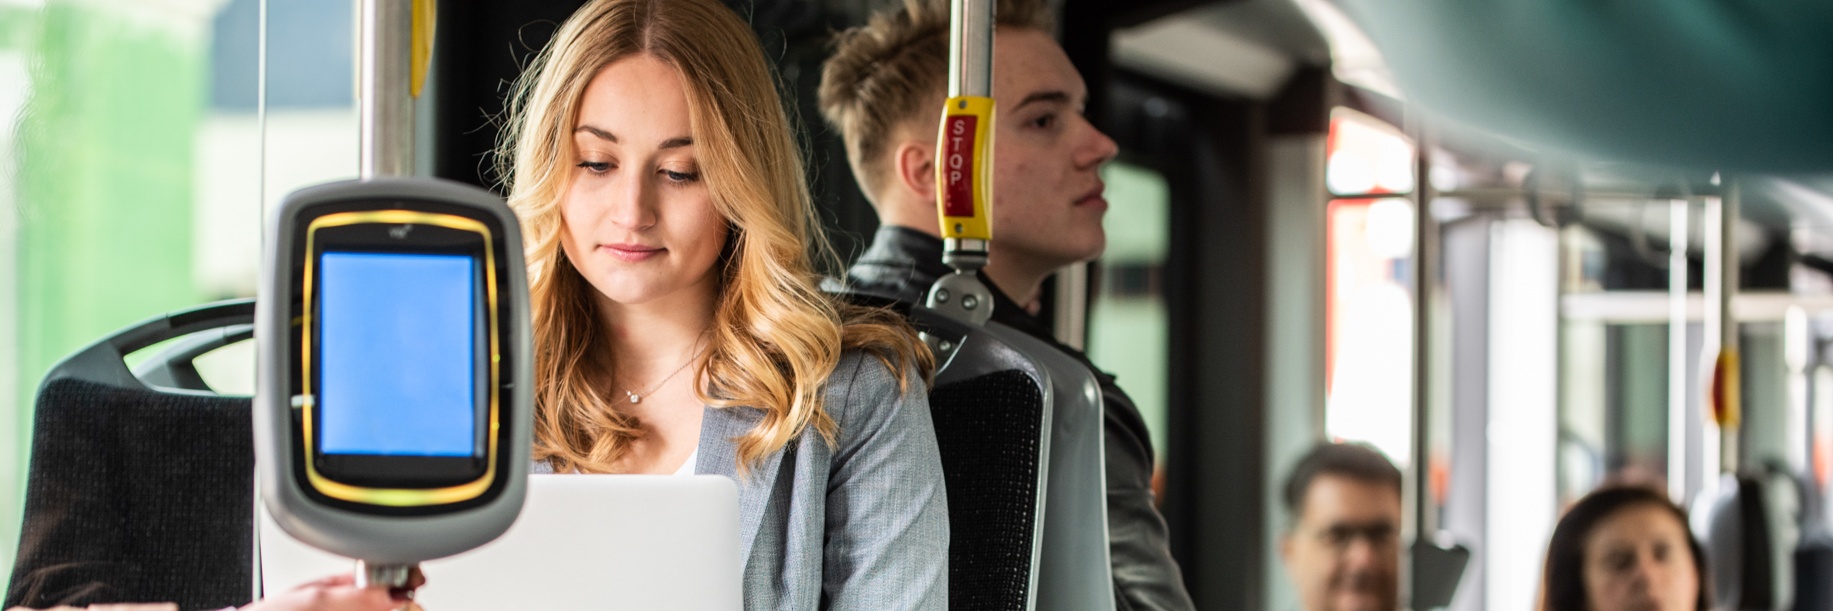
(385, 104)
(1419, 522)
(1679, 416)
(1721, 326)
(385, 108)
(970, 73)
(254, 561)
(964, 161)
(1730, 208)
(970, 48)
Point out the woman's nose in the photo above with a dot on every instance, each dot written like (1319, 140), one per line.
(630, 205)
(1648, 570)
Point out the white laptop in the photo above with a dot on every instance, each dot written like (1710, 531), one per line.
(582, 542)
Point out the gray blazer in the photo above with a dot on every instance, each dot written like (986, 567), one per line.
(863, 525)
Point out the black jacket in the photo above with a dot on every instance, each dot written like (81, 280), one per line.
(900, 265)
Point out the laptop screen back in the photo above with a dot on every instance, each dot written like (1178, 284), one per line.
(581, 542)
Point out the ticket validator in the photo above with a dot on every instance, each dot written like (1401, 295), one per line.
(393, 406)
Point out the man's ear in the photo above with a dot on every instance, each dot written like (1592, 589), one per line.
(915, 162)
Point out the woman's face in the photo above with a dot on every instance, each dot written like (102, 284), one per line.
(1638, 559)
(640, 224)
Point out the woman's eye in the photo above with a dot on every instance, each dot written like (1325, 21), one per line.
(1044, 122)
(674, 176)
(596, 167)
(1620, 561)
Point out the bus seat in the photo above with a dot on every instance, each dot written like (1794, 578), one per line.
(1438, 566)
(1814, 573)
(1813, 557)
(991, 408)
(174, 368)
(1751, 532)
(140, 492)
(1020, 431)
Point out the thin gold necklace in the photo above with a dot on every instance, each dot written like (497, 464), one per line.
(637, 397)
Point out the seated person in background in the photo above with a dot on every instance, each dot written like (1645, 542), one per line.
(1622, 549)
(678, 324)
(1341, 547)
(883, 90)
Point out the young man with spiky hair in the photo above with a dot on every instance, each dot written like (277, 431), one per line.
(883, 90)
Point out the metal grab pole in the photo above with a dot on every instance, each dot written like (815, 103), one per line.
(385, 103)
(1679, 417)
(385, 107)
(970, 48)
(964, 165)
(1721, 323)
(1418, 524)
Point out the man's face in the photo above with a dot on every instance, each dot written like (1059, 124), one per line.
(1343, 552)
(1047, 188)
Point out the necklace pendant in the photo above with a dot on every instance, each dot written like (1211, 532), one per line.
(634, 398)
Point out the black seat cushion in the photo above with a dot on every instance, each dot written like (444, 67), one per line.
(989, 429)
(136, 496)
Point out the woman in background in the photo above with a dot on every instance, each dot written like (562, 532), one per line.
(1622, 549)
(678, 324)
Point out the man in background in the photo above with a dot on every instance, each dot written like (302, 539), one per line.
(1342, 545)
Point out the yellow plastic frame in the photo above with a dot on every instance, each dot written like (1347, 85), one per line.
(400, 497)
(953, 151)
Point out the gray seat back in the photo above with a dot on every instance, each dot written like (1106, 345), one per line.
(139, 492)
(1003, 398)
(991, 405)
(1075, 572)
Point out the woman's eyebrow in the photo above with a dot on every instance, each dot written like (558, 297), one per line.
(675, 142)
(596, 132)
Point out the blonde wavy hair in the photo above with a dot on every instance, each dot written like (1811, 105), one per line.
(776, 337)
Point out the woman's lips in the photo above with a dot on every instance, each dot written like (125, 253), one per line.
(633, 253)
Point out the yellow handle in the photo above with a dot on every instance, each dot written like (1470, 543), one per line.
(1725, 391)
(964, 168)
(421, 51)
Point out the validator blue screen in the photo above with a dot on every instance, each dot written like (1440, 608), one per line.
(397, 354)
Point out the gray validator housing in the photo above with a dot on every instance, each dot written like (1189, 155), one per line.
(372, 522)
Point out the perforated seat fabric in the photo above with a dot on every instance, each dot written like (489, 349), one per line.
(136, 496)
(988, 429)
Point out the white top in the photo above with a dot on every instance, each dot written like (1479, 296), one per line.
(687, 468)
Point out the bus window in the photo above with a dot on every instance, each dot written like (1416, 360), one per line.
(1369, 322)
(128, 186)
(135, 171)
(1368, 294)
(1127, 331)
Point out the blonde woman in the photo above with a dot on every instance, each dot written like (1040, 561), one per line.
(678, 324)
